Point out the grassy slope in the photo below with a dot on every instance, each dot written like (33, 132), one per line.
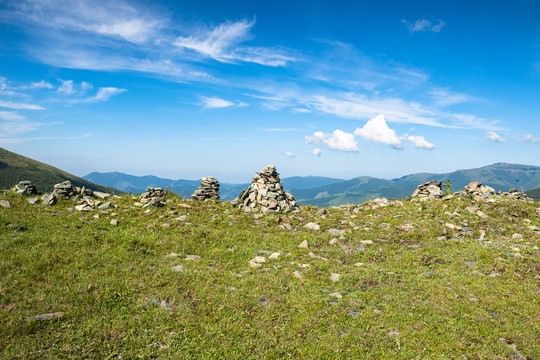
(415, 297)
(534, 194)
(15, 168)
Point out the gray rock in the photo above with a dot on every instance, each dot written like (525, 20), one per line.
(5, 204)
(32, 201)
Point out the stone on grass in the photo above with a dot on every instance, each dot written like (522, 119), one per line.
(274, 255)
(312, 226)
(303, 244)
(335, 277)
(336, 232)
(5, 204)
(177, 268)
(336, 295)
(114, 222)
(298, 274)
(192, 257)
(32, 201)
(257, 261)
(49, 316)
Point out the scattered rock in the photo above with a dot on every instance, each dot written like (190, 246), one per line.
(32, 201)
(209, 189)
(336, 232)
(312, 255)
(84, 207)
(164, 304)
(274, 255)
(114, 222)
(192, 257)
(102, 195)
(335, 277)
(303, 244)
(336, 295)
(5, 204)
(265, 194)
(312, 226)
(298, 274)
(429, 190)
(177, 268)
(257, 261)
(49, 316)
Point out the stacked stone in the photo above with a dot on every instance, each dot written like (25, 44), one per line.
(66, 190)
(25, 188)
(475, 190)
(153, 197)
(429, 190)
(265, 194)
(209, 189)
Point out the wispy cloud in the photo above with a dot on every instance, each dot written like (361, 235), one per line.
(115, 18)
(66, 87)
(217, 103)
(288, 154)
(317, 152)
(103, 94)
(222, 43)
(445, 97)
(41, 85)
(493, 136)
(528, 138)
(338, 140)
(423, 25)
(20, 106)
(10, 116)
(377, 130)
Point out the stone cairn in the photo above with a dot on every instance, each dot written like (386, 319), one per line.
(85, 198)
(153, 197)
(209, 189)
(266, 194)
(428, 190)
(25, 188)
(475, 190)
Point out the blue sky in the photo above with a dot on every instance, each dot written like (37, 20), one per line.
(185, 89)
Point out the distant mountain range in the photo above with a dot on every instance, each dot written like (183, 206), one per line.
(15, 168)
(307, 190)
(324, 191)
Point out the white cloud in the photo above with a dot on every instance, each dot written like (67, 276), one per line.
(66, 87)
(424, 25)
(493, 136)
(20, 106)
(445, 97)
(301, 110)
(316, 152)
(10, 116)
(419, 142)
(41, 85)
(103, 94)
(377, 130)
(338, 140)
(114, 18)
(215, 103)
(528, 138)
(288, 154)
(222, 43)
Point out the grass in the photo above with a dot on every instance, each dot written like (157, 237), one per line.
(423, 292)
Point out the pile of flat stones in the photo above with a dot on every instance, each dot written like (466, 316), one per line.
(65, 190)
(25, 188)
(209, 189)
(475, 190)
(153, 197)
(428, 190)
(265, 194)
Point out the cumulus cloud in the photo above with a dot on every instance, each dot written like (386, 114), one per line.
(424, 25)
(377, 130)
(528, 138)
(222, 43)
(316, 152)
(41, 85)
(493, 136)
(338, 140)
(419, 142)
(288, 154)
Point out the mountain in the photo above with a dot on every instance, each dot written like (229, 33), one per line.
(500, 176)
(307, 182)
(534, 194)
(15, 168)
(138, 184)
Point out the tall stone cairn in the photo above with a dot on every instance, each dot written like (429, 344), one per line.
(25, 187)
(209, 189)
(265, 194)
(429, 190)
(153, 197)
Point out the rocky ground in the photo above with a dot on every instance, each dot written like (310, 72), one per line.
(423, 278)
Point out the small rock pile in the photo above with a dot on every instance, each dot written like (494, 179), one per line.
(25, 188)
(153, 197)
(265, 194)
(475, 190)
(429, 190)
(209, 189)
(65, 190)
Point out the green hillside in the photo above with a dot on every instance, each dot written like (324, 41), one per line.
(534, 194)
(15, 168)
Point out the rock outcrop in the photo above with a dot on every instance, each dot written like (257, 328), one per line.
(429, 190)
(265, 194)
(25, 188)
(209, 189)
(153, 197)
